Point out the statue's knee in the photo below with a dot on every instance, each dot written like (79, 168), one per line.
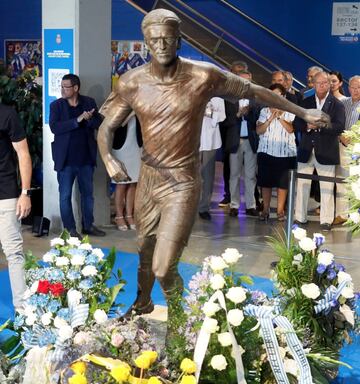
(160, 273)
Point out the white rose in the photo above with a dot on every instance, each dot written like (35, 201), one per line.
(231, 255)
(81, 338)
(74, 297)
(99, 253)
(312, 291)
(62, 261)
(77, 260)
(30, 319)
(217, 282)
(224, 339)
(89, 270)
(74, 241)
(236, 295)
(29, 310)
(210, 325)
(34, 286)
(348, 292)
(210, 309)
(354, 170)
(298, 259)
(65, 333)
(235, 317)
(49, 257)
(291, 367)
(299, 233)
(355, 217)
(307, 244)
(85, 246)
(343, 276)
(100, 316)
(46, 318)
(218, 362)
(217, 263)
(57, 241)
(59, 322)
(325, 258)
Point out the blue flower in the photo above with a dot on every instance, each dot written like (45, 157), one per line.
(56, 274)
(27, 336)
(339, 267)
(64, 313)
(46, 338)
(357, 295)
(75, 251)
(91, 259)
(321, 268)
(86, 284)
(42, 300)
(53, 306)
(295, 226)
(331, 274)
(319, 239)
(19, 321)
(334, 303)
(33, 300)
(354, 156)
(73, 275)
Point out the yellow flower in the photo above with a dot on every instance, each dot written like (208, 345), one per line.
(143, 362)
(152, 355)
(188, 366)
(121, 373)
(188, 379)
(78, 367)
(77, 379)
(154, 380)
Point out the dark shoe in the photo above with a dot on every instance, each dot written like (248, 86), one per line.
(281, 216)
(93, 231)
(326, 227)
(300, 223)
(264, 216)
(135, 310)
(74, 233)
(233, 212)
(205, 215)
(224, 202)
(339, 220)
(252, 212)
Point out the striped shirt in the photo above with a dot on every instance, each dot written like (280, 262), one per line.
(352, 113)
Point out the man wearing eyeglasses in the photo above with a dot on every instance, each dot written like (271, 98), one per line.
(73, 120)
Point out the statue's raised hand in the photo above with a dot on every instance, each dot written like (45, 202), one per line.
(317, 119)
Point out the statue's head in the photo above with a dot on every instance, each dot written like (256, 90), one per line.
(161, 29)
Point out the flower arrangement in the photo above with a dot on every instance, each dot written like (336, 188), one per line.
(317, 295)
(353, 180)
(66, 291)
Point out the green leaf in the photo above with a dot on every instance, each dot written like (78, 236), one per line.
(246, 280)
(10, 344)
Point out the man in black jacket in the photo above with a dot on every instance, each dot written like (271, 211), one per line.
(319, 148)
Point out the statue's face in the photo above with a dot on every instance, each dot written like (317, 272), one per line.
(162, 41)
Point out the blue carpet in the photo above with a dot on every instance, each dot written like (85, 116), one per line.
(128, 262)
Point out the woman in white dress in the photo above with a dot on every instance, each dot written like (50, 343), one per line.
(127, 148)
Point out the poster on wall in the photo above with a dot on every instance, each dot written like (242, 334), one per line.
(21, 55)
(58, 61)
(126, 55)
(346, 21)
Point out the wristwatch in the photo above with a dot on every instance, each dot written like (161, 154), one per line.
(26, 192)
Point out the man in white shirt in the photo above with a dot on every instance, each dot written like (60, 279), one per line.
(352, 115)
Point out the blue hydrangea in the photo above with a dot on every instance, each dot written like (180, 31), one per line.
(55, 274)
(91, 259)
(53, 306)
(321, 268)
(73, 275)
(33, 300)
(331, 274)
(86, 284)
(339, 267)
(35, 274)
(75, 252)
(27, 336)
(64, 313)
(42, 300)
(295, 226)
(19, 321)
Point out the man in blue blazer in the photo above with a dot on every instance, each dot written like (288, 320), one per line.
(73, 121)
(319, 148)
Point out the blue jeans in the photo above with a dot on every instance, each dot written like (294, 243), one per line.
(66, 178)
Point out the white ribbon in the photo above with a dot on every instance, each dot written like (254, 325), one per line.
(203, 342)
(267, 318)
(332, 293)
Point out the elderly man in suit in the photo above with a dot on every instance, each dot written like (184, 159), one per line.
(319, 148)
(73, 120)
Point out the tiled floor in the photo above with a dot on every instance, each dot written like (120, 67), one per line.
(244, 233)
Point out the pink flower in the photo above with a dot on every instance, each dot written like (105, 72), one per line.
(117, 339)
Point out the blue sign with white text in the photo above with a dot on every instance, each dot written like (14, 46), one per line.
(58, 61)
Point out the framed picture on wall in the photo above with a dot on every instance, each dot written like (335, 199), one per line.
(21, 55)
